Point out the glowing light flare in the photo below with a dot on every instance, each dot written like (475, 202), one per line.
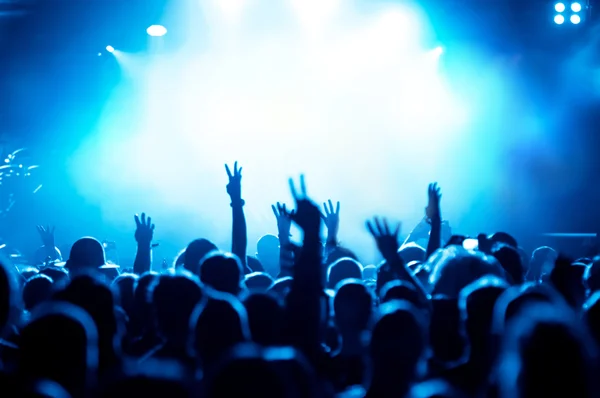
(231, 10)
(314, 14)
(110, 49)
(575, 7)
(575, 19)
(559, 7)
(396, 29)
(156, 30)
(559, 19)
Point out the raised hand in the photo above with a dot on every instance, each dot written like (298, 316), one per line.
(331, 218)
(144, 231)
(284, 220)
(307, 216)
(234, 187)
(386, 239)
(46, 235)
(432, 211)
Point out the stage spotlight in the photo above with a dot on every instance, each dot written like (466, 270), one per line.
(559, 7)
(438, 50)
(575, 7)
(156, 30)
(110, 49)
(559, 19)
(575, 19)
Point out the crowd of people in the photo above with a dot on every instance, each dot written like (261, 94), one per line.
(440, 316)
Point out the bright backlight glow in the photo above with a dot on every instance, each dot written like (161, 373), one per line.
(575, 19)
(559, 19)
(156, 30)
(559, 7)
(575, 7)
(110, 49)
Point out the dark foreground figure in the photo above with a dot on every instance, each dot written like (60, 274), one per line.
(431, 320)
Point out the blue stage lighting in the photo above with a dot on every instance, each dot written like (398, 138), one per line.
(156, 30)
(110, 49)
(559, 7)
(559, 19)
(575, 19)
(575, 7)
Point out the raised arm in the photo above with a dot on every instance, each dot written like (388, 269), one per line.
(284, 225)
(304, 300)
(434, 216)
(144, 233)
(387, 243)
(239, 235)
(331, 218)
(49, 250)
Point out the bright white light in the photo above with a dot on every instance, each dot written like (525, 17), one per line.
(156, 30)
(110, 49)
(575, 19)
(575, 7)
(231, 9)
(359, 77)
(438, 50)
(559, 7)
(559, 19)
(314, 14)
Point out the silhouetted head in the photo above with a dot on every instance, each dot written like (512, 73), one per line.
(337, 253)
(222, 272)
(400, 290)
(218, 324)
(60, 343)
(58, 274)
(353, 306)
(86, 253)
(344, 268)
(37, 289)
(124, 287)
(254, 264)
(412, 252)
(96, 298)
(10, 294)
(592, 275)
(267, 252)
(541, 263)
(195, 252)
(397, 346)
(516, 298)
(504, 238)
(454, 268)
(547, 352)
(510, 260)
(258, 281)
(174, 298)
(282, 286)
(265, 318)
(254, 375)
(476, 305)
